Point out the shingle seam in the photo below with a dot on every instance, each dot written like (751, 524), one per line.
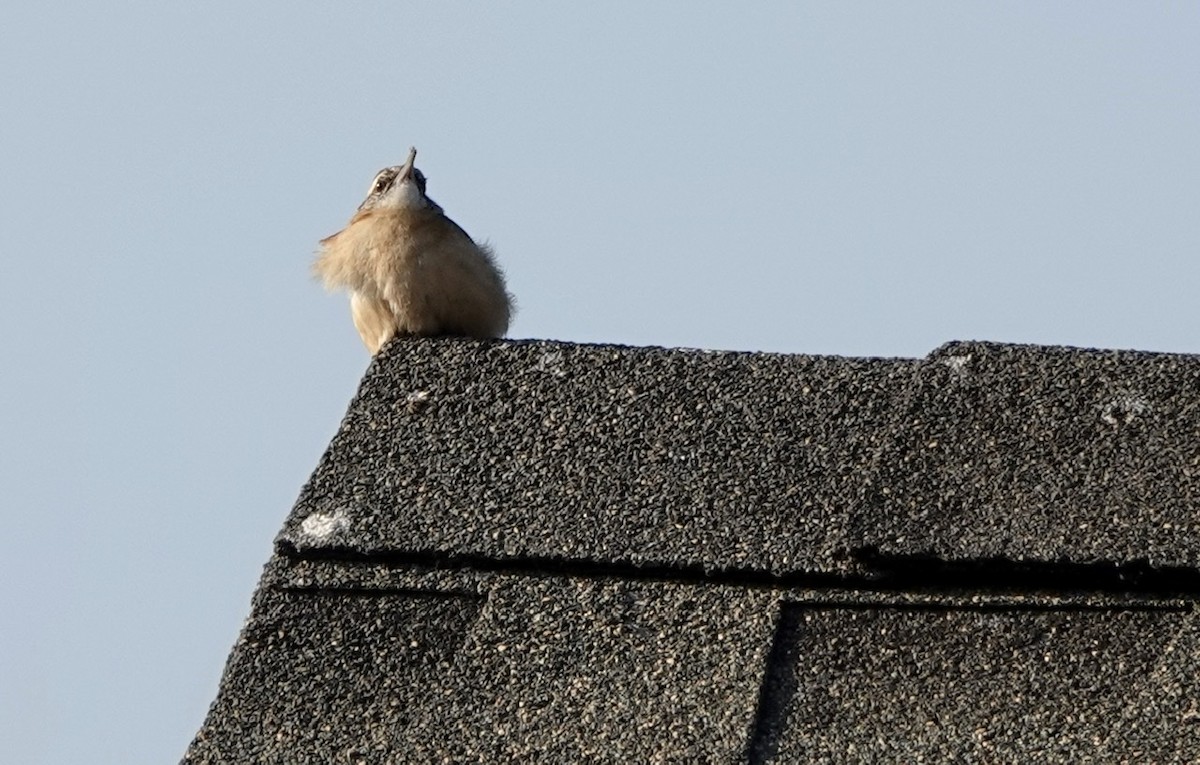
(883, 572)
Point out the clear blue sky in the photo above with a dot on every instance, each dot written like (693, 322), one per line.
(833, 178)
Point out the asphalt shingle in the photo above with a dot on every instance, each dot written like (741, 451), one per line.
(535, 551)
(1044, 453)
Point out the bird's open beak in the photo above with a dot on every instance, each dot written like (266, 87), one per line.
(407, 168)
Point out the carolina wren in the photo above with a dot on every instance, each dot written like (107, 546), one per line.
(410, 270)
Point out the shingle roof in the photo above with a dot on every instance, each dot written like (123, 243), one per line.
(542, 551)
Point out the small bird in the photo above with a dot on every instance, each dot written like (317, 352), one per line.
(410, 270)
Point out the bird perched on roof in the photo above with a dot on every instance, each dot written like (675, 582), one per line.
(410, 270)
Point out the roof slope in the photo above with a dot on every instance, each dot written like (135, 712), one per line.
(548, 551)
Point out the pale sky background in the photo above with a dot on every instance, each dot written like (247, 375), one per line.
(833, 178)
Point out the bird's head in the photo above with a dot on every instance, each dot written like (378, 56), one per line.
(401, 187)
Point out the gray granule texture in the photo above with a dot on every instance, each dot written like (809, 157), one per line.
(643, 456)
(1046, 454)
(548, 552)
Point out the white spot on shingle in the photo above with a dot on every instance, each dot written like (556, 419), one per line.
(957, 363)
(322, 525)
(417, 400)
(1123, 408)
(551, 363)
